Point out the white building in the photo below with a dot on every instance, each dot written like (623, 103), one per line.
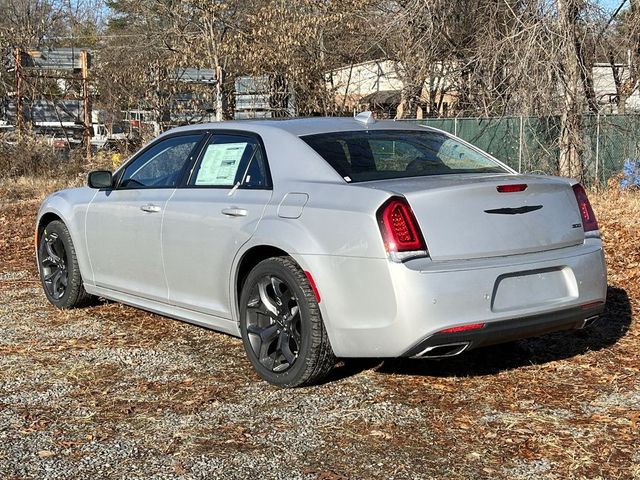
(605, 88)
(376, 85)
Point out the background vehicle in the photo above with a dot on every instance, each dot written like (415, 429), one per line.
(317, 238)
(105, 138)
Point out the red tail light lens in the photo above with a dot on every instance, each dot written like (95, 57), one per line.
(513, 187)
(399, 227)
(589, 221)
(463, 328)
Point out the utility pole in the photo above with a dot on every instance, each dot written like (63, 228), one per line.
(219, 102)
(84, 65)
(19, 103)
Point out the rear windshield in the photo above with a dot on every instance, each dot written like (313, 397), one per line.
(384, 154)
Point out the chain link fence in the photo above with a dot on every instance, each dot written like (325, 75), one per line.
(530, 144)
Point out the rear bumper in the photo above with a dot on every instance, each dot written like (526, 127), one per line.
(506, 331)
(377, 308)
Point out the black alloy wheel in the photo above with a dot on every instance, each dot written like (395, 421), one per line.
(53, 264)
(58, 266)
(281, 325)
(273, 323)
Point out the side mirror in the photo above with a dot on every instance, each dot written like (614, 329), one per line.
(100, 179)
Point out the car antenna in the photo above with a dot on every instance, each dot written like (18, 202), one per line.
(367, 117)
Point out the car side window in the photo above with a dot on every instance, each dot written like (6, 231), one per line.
(161, 165)
(228, 160)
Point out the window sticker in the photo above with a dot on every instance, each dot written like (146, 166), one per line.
(220, 163)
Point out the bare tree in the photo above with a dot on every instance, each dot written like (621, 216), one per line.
(623, 54)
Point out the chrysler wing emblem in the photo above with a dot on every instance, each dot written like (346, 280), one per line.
(515, 211)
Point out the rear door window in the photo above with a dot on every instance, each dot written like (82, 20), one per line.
(228, 160)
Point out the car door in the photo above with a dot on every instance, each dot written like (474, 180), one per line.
(124, 223)
(211, 217)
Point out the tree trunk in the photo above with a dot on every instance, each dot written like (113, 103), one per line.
(622, 103)
(586, 75)
(410, 97)
(570, 160)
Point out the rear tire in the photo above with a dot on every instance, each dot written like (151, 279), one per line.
(58, 267)
(281, 326)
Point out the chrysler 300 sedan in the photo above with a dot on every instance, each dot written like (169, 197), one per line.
(324, 238)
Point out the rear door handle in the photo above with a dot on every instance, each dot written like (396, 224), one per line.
(235, 212)
(150, 208)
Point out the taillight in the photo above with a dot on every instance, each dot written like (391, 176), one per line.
(589, 222)
(400, 230)
(512, 187)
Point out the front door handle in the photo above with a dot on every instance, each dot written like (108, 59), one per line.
(234, 212)
(150, 208)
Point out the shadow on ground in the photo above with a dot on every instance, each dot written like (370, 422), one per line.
(612, 325)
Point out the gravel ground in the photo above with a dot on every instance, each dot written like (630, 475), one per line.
(112, 392)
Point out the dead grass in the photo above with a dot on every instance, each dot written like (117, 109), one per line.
(113, 392)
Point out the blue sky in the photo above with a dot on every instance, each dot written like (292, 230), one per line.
(610, 4)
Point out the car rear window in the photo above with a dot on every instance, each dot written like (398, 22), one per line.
(384, 154)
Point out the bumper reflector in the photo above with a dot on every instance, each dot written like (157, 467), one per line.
(463, 328)
(591, 305)
(313, 286)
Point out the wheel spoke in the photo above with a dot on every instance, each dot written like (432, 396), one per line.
(265, 299)
(286, 348)
(292, 314)
(266, 359)
(52, 256)
(254, 303)
(267, 335)
(296, 336)
(48, 277)
(277, 284)
(55, 284)
(48, 262)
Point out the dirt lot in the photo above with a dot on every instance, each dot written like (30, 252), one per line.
(112, 392)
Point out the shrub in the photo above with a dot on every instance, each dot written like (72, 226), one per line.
(31, 156)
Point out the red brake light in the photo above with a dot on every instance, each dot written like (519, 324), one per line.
(513, 187)
(463, 328)
(589, 221)
(399, 228)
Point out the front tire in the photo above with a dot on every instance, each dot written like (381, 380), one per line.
(281, 326)
(58, 266)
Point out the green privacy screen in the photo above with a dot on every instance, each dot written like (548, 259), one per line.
(530, 144)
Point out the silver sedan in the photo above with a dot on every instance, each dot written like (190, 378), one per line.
(320, 238)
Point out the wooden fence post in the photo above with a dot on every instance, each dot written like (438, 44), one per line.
(84, 61)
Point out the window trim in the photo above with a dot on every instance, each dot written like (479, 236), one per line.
(195, 151)
(231, 132)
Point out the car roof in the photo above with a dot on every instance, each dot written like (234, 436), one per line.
(305, 126)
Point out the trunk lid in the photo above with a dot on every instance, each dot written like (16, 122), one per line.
(464, 216)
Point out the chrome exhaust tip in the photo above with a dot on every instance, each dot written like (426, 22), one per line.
(589, 321)
(443, 351)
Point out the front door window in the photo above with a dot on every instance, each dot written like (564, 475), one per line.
(162, 165)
